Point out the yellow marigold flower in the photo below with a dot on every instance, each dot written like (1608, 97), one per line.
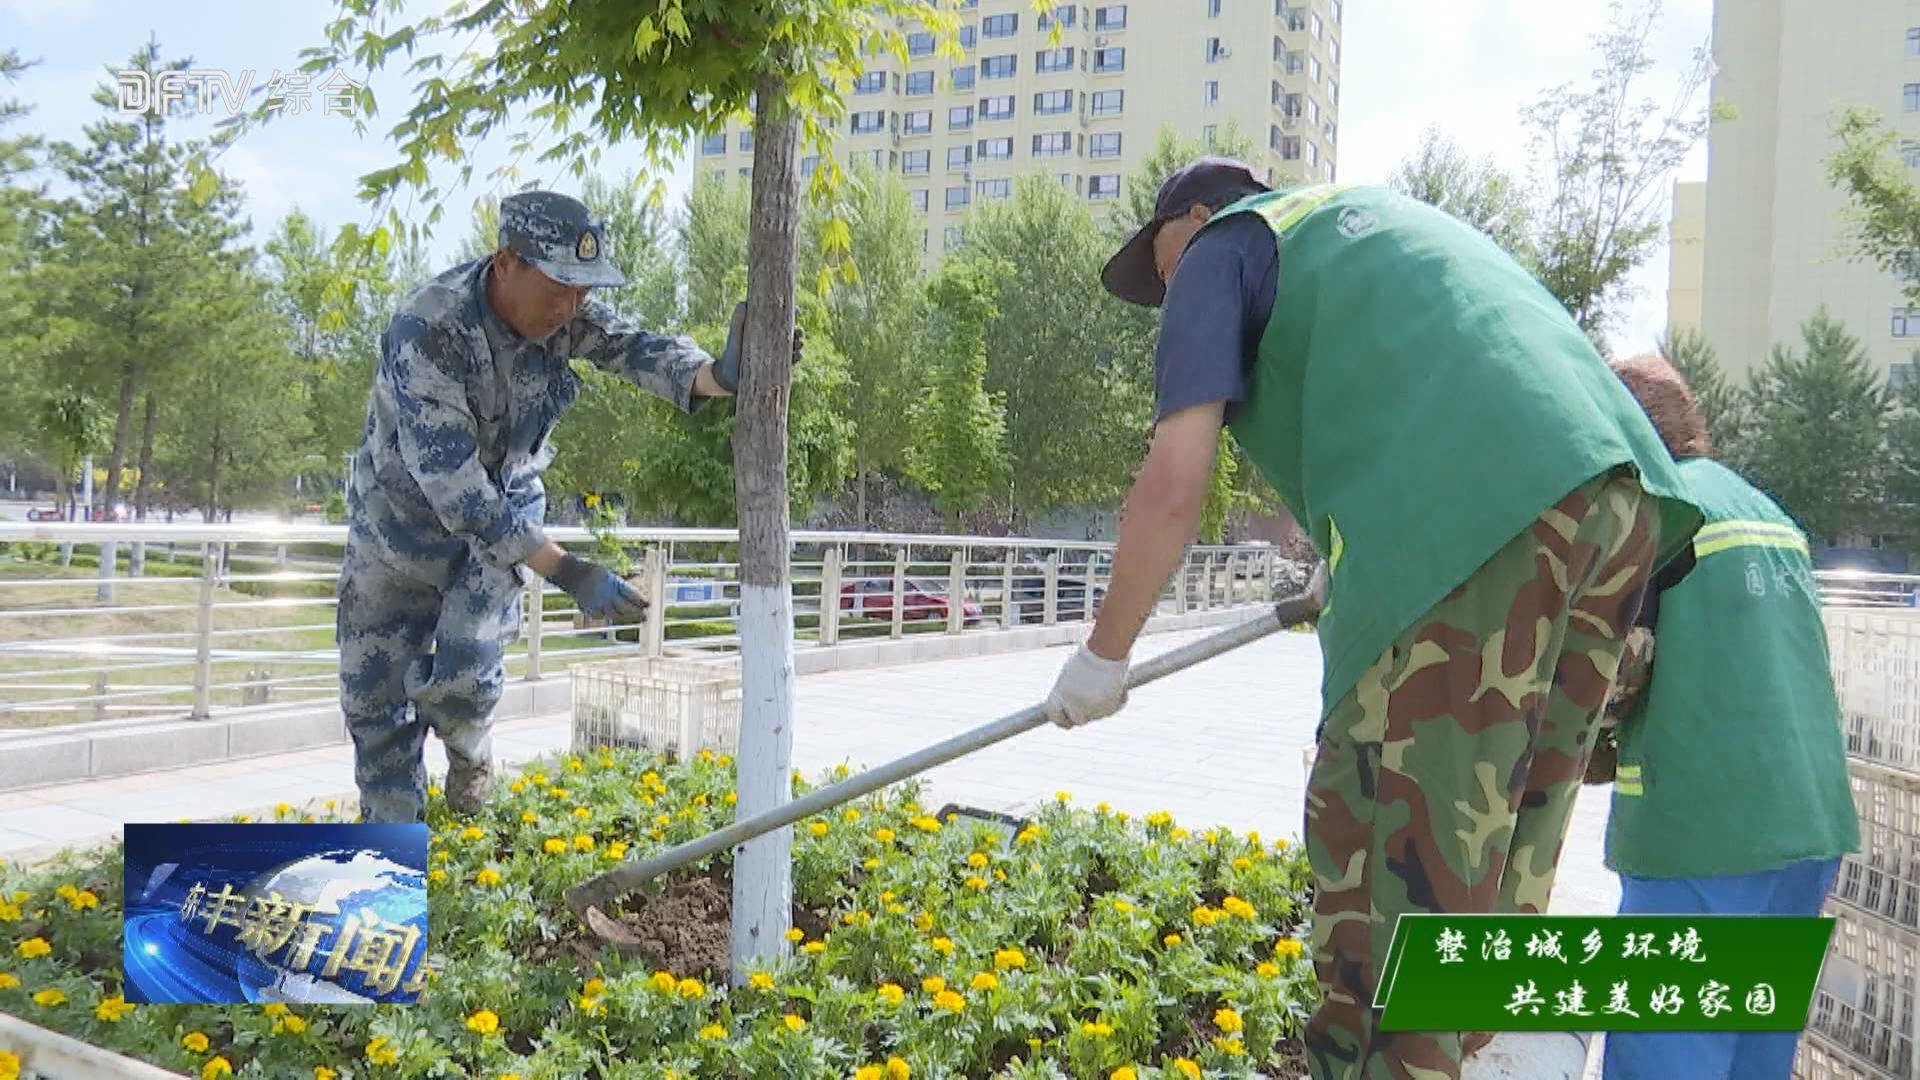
(1187, 1067)
(559, 792)
(485, 1022)
(1179, 834)
(730, 798)
(33, 948)
(1267, 970)
(898, 1070)
(818, 828)
(1288, 947)
(663, 981)
(1097, 1029)
(50, 997)
(1159, 819)
(867, 1072)
(67, 892)
(555, 845)
(112, 1009)
(517, 787)
(9, 1065)
(8, 980)
(1123, 907)
(663, 820)
(616, 851)
(275, 1009)
(282, 808)
(933, 984)
(1205, 916)
(1243, 864)
(892, 993)
(713, 1033)
(582, 812)
(943, 946)
(950, 1001)
(1124, 1072)
(794, 1023)
(9, 912)
(691, 989)
(1027, 835)
(1228, 1021)
(592, 1006)
(760, 980)
(195, 1041)
(1063, 796)
(814, 948)
(529, 817)
(850, 815)
(292, 1025)
(1280, 844)
(976, 883)
(1230, 1047)
(1238, 907)
(796, 935)
(583, 842)
(516, 1076)
(574, 764)
(883, 835)
(219, 1066)
(321, 1072)
(926, 823)
(436, 875)
(977, 860)
(1009, 959)
(487, 876)
(330, 803)
(923, 922)
(1170, 940)
(986, 980)
(247, 819)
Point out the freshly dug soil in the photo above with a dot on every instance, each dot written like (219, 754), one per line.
(688, 930)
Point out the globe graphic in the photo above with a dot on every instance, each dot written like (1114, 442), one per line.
(337, 885)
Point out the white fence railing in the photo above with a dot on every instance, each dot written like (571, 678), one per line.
(114, 621)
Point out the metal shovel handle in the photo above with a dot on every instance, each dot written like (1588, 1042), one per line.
(602, 890)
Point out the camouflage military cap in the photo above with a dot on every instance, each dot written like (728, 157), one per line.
(558, 235)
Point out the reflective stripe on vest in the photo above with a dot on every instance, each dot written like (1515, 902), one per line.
(1722, 535)
(1286, 212)
(1626, 780)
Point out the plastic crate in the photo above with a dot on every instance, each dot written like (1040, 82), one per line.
(1876, 671)
(1883, 878)
(1863, 1007)
(673, 707)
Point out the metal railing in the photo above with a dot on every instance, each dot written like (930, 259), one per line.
(117, 621)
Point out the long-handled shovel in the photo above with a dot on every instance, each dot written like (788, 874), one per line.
(589, 899)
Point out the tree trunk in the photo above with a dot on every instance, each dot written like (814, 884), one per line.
(763, 868)
(213, 482)
(144, 487)
(122, 427)
(860, 496)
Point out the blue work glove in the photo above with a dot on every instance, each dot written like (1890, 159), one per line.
(600, 592)
(726, 370)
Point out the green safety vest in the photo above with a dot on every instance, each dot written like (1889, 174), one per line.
(1733, 761)
(1418, 401)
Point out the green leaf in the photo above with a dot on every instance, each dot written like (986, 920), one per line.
(644, 38)
(203, 184)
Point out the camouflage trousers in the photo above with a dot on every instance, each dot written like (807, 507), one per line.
(1445, 781)
(413, 658)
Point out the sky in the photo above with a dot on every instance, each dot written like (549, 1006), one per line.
(1467, 68)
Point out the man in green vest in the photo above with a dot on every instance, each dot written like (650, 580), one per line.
(1489, 502)
(1730, 796)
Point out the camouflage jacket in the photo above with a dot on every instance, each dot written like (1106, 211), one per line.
(460, 415)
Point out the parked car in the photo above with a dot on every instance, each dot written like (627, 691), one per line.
(37, 514)
(919, 599)
(1070, 602)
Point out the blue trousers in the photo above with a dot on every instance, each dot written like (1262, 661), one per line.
(415, 657)
(1796, 889)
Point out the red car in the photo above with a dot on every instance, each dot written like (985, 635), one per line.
(919, 599)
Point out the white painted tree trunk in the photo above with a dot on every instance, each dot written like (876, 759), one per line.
(762, 875)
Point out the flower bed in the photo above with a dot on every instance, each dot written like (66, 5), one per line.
(1082, 945)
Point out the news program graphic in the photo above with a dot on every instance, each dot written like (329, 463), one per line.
(315, 914)
(1618, 973)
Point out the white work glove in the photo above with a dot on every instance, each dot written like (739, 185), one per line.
(1090, 688)
(1317, 588)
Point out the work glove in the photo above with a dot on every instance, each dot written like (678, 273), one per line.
(1090, 688)
(600, 592)
(1317, 586)
(726, 370)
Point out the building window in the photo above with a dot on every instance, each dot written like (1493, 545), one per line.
(1913, 97)
(955, 236)
(1111, 17)
(1333, 50)
(916, 162)
(1290, 106)
(1313, 111)
(963, 78)
(1048, 61)
(993, 189)
(920, 200)
(746, 173)
(1913, 41)
(997, 108)
(919, 123)
(1069, 181)
(1104, 145)
(1062, 16)
(1336, 12)
(875, 158)
(1313, 155)
(1313, 69)
(968, 35)
(1326, 169)
(997, 67)
(1103, 187)
(746, 141)
(1053, 144)
(714, 144)
(1051, 102)
(1210, 92)
(959, 117)
(1290, 148)
(959, 157)
(1333, 91)
(919, 83)
(999, 26)
(1208, 134)
(1106, 60)
(1319, 28)
(871, 82)
(920, 43)
(867, 123)
(1906, 323)
(1213, 9)
(996, 149)
(1109, 102)
(958, 198)
(1910, 153)
(1215, 50)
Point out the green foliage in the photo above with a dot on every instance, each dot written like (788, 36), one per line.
(713, 239)
(1479, 193)
(1883, 212)
(958, 449)
(1723, 403)
(1819, 420)
(640, 248)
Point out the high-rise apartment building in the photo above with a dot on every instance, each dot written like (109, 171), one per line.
(1085, 108)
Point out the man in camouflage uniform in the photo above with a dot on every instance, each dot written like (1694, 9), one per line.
(1489, 502)
(445, 502)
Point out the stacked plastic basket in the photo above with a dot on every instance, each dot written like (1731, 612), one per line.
(1862, 1022)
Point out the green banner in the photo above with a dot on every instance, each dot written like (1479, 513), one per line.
(1617, 973)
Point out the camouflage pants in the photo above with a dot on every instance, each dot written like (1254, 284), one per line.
(1446, 779)
(412, 658)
